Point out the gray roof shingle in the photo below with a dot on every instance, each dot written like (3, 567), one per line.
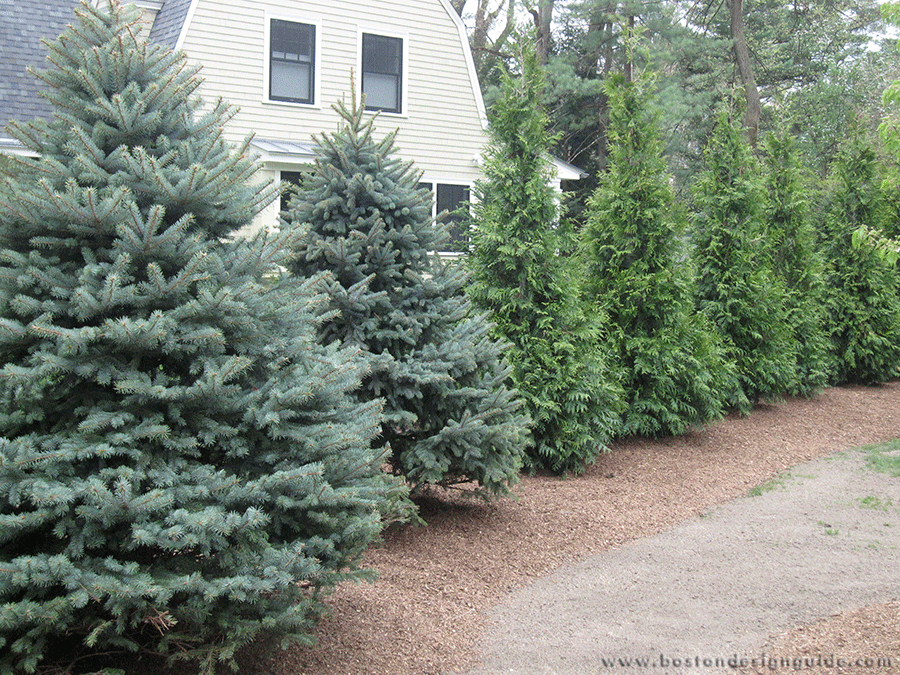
(168, 23)
(23, 24)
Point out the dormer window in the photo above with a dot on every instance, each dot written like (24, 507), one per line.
(382, 72)
(292, 61)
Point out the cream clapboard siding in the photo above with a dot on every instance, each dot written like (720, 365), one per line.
(441, 128)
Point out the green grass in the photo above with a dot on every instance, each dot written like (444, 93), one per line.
(876, 503)
(771, 484)
(884, 457)
(776, 482)
(829, 529)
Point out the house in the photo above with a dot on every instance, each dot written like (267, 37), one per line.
(283, 63)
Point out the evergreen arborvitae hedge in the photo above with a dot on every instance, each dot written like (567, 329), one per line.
(525, 274)
(181, 465)
(797, 258)
(737, 288)
(675, 373)
(450, 416)
(863, 304)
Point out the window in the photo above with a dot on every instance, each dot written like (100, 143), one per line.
(292, 61)
(452, 199)
(295, 180)
(451, 205)
(382, 72)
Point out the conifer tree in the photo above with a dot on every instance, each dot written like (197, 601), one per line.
(525, 274)
(181, 464)
(863, 305)
(450, 416)
(675, 373)
(798, 259)
(737, 288)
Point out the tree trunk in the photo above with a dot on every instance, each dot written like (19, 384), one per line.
(485, 41)
(601, 37)
(543, 19)
(742, 60)
(629, 50)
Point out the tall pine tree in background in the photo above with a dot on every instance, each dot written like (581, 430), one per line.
(181, 464)
(449, 415)
(737, 286)
(523, 272)
(675, 373)
(797, 258)
(863, 305)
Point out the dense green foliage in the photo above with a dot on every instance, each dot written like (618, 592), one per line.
(449, 415)
(675, 374)
(181, 465)
(737, 287)
(863, 304)
(846, 95)
(524, 274)
(797, 258)
(817, 55)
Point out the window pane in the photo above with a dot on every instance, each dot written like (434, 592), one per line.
(381, 92)
(292, 40)
(291, 61)
(382, 68)
(450, 198)
(290, 81)
(382, 54)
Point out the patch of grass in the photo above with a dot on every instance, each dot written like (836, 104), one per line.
(884, 457)
(876, 503)
(777, 482)
(829, 530)
(771, 484)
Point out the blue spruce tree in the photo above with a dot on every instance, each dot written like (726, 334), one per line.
(181, 463)
(450, 415)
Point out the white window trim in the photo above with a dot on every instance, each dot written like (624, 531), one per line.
(317, 70)
(404, 74)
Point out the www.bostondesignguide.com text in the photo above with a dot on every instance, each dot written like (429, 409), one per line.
(766, 661)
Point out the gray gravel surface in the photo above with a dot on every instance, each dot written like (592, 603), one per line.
(823, 538)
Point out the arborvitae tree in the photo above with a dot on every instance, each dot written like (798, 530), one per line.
(181, 463)
(863, 319)
(737, 287)
(675, 374)
(523, 272)
(450, 416)
(797, 258)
